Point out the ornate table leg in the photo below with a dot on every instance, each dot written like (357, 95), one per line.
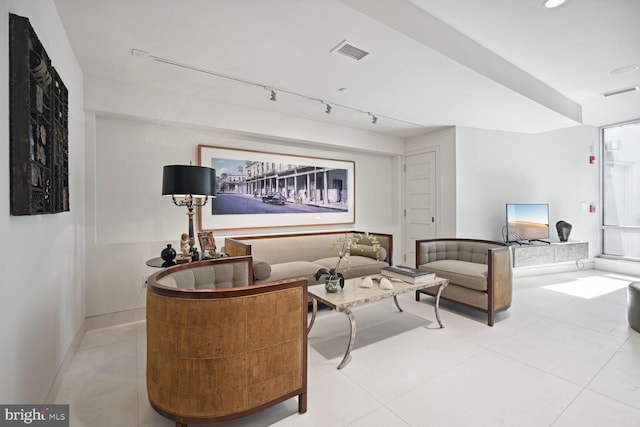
(395, 299)
(314, 311)
(440, 288)
(352, 337)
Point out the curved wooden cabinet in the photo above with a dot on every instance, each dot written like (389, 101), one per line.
(219, 354)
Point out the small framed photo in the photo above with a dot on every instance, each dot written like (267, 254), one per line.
(207, 243)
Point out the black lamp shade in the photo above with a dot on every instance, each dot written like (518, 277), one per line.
(198, 181)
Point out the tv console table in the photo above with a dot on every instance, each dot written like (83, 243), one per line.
(545, 253)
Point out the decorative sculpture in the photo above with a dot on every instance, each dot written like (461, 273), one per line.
(168, 253)
(564, 229)
(184, 244)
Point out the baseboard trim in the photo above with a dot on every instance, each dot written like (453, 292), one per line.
(562, 267)
(618, 266)
(90, 323)
(66, 362)
(117, 318)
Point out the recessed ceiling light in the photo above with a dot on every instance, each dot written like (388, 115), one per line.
(624, 70)
(550, 4)
(343, 90)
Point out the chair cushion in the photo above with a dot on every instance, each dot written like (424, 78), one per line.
(227, 275)
(471, 275)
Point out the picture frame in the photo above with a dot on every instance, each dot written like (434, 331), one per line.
(39, 126)
(207, 242)
(260, 189)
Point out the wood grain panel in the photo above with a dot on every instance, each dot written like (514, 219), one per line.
(224, 354)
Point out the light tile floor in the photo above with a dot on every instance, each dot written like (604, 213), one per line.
(563, 355)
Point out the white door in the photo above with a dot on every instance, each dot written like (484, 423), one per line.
(420, 201)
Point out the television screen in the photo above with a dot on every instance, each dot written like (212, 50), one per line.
(527, 222)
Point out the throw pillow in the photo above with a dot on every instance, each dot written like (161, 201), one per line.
(368, 251)
(261, 269)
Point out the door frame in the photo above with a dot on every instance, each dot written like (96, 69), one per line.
(432, 149)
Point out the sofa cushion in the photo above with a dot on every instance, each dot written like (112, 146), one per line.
(261, 269)
(358, 265)
(276, 250)
(292, 269)
(363, 266)
(330, 262)
(468, 274)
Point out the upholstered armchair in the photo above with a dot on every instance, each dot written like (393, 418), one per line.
(479, 272)
(219, 347)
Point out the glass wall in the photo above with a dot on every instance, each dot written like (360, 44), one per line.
(621, 190)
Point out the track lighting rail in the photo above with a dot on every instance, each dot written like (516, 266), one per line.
(273, 90)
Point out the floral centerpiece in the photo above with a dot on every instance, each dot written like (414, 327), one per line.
(346, 246)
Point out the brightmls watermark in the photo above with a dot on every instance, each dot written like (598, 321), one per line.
(36, 415)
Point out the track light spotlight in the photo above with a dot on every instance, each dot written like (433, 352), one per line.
(329, 107)
(374, 119)
(273, 96)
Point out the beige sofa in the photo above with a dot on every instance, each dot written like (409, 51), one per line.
(287, 256)
(479, 272)
(220, 348)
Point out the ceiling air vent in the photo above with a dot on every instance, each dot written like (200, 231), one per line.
(621, 91)
(350, 50)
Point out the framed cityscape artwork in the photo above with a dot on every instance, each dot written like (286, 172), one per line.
(257, 189)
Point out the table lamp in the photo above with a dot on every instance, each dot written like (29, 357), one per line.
(189, 186)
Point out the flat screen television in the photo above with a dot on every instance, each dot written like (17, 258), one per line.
(527, 222)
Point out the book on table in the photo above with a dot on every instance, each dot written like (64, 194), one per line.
(407, 274)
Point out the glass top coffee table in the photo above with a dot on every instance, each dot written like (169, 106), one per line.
(352, 295)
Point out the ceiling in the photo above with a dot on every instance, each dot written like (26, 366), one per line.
(496, 64)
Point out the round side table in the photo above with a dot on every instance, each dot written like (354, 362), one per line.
(159, 263)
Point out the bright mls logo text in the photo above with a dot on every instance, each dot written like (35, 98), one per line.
(41, 415)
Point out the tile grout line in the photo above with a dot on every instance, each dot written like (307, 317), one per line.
(615, 353)
(586, 386)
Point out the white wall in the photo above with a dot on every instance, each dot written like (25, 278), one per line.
(493, 168)
(42, 257)
(130, 139)
(108, 96)
(136, 130)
